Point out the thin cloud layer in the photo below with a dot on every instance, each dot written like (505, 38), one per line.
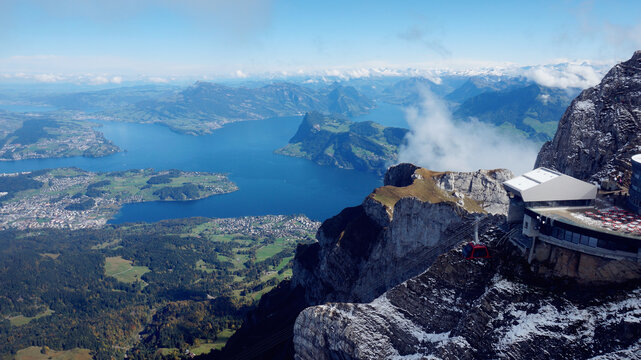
(438, 142)
(565, 76)
(418, 35)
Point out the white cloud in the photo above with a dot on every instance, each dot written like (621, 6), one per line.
(438, 142)
(116, 79)
(47, 78)
(544, 98)
(158, 80)
(99, 80)
(240, 74)
(566, 75)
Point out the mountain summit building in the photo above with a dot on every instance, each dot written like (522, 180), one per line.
(557, 210)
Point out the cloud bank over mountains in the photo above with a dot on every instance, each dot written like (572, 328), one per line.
(564, 75)
(438, 142)
(567, 75)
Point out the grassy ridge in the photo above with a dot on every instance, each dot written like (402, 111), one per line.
(36, 353)
(424, 188)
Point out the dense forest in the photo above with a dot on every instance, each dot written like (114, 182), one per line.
(138, 288)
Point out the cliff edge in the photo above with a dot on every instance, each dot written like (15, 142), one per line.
(396, 233)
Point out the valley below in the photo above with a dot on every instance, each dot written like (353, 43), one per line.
(151, 289)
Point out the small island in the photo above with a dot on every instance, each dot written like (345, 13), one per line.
(74, 198)
(337, 141)
(25, 136)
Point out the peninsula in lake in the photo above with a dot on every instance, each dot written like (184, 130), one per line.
(337, 141)
(27, 136)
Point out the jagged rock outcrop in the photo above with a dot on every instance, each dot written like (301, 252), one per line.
(477, 309)
(363, 251)
(485, 186)
(400, 175)
(398, 231)
(601, 129)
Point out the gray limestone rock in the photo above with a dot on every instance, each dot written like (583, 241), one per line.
(478, 309)
(601, 129)
(484, 186)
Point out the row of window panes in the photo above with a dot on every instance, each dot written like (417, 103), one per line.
(573, 237)
(577, 238)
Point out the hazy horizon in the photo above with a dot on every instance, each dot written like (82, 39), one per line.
(118, 42)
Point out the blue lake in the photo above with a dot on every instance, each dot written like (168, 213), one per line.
(386, 114)
(269, 183)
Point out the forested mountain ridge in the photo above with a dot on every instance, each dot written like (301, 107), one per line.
(337, 141)
(532, 111)
(204, 107)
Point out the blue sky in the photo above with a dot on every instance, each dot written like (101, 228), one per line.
(215, 38)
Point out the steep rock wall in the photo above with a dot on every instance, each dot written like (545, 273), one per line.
(479, 309)
(601, 129)
(363, 251)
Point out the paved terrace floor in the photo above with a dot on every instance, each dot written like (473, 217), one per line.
(603, 217)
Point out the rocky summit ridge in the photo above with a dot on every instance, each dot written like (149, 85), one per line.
(362, 291)
(503, 307)
(477, 309)
(396, 233)
(601, 129)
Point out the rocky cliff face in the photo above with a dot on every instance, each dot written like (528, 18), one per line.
(398, 231)
(601, 129)
(363, 251)
(476, 309)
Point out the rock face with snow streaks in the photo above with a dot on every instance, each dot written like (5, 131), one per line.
(601, 129)
(479, 309)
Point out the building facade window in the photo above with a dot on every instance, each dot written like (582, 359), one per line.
(585, 240)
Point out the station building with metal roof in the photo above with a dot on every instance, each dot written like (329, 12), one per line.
(563, 211)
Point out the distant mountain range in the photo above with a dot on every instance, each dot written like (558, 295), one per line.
(334, 140)
(204, 106)
(515, 105)
(530, 110)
